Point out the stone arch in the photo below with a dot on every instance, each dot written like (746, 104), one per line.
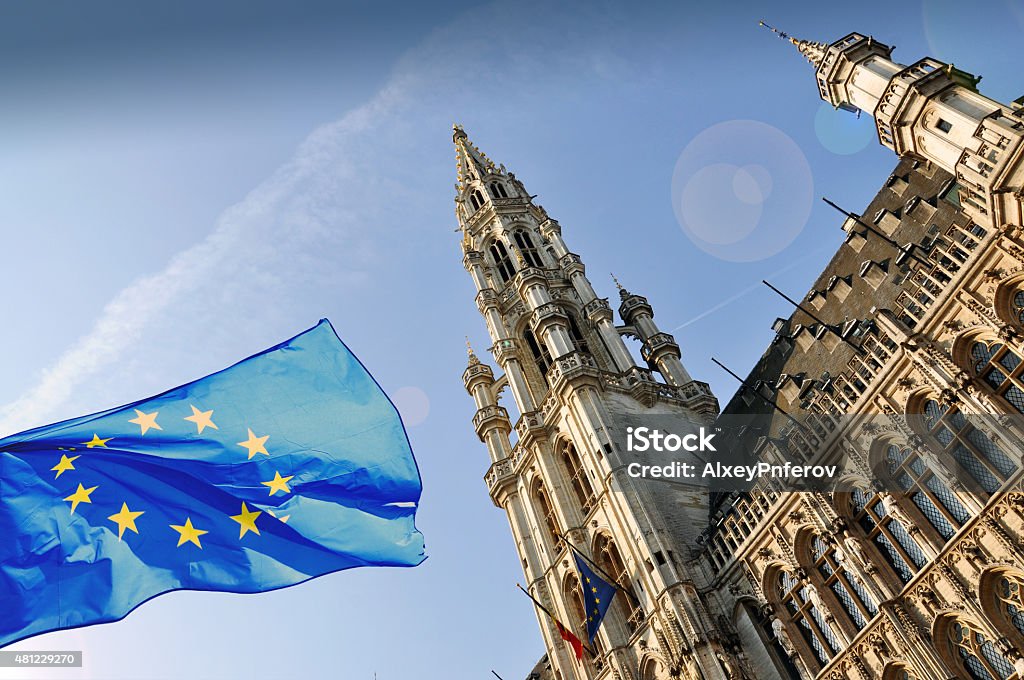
(547, 518)
(610, 558)
(897, 670)
(1001, 594)
(653, 667)
(1009, 308)
(967, 646)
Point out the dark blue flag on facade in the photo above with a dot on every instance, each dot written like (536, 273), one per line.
(597, 596)
(289, 465)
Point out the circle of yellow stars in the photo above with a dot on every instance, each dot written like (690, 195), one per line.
(125, 518)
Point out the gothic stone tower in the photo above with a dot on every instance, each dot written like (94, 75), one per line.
(912, 569)
(574, 382)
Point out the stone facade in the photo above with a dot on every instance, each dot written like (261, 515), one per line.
(913, 567)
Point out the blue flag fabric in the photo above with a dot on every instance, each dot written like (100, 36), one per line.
(289, 465)
(597, 596)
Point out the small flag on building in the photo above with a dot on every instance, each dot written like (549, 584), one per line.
(574, 642)
(289, 465)
(597, 596)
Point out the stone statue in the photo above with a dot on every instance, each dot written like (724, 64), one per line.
(897, 513)
(782, 637)
(851, 547)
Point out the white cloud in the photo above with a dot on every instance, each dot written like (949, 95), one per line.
(321, 221)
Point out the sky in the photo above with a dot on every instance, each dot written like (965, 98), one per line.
(183, 185)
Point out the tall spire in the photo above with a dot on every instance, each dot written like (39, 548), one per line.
(470, 162)
(814, 52)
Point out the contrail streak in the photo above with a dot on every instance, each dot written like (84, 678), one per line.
(733, 298)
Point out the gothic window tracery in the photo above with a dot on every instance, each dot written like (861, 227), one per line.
(1017, 305)
(528, 250)
(577, 336)
(932, 496)
(1009, 600)
(1000, 368)
(607, 556)
(892, 539)
(578, 479)
(976, 453)
(547, 514)
(498, 190)
(807, 618)
(577, 623)
(476, 199)
(851, 594)
(977, 655)
(541, 355)
(502, 261)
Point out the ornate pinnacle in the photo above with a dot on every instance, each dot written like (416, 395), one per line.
(470, 162)
(473, 359)
(813, 51)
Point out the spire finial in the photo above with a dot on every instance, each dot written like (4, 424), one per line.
(473, 360)
(813, 51)
(617, 284)
(470, 162)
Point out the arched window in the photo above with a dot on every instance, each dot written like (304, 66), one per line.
(573, 592)
(607, 556)
(978, 656)
(476, 199)
(929, 493)
(1009, 602)
(805, 616)
(578, 479)
(976, 453)
(547, 514)
(852, 595)
(526, 247)
(1000, 368)
(539, 351)
(498, 190)
(897, 546)
(502, 262)
(1017, 306)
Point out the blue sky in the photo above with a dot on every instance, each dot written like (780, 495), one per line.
(184, 185)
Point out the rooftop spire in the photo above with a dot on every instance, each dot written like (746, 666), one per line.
(473, 359)
(470, 162)
(813, 51)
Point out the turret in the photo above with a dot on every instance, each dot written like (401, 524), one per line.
(929, 110)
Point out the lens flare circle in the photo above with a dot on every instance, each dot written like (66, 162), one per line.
(742, 190)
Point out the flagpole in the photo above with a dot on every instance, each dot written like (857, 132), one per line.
(496, 675)
(553, 617)
(600, 571)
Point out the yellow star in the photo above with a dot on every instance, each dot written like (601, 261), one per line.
(125, 520)
(80, 496)
(255, 444)
(189, 534)
(96, 441)
(147, 421)
(247, 521)
(64, 465)
(278, 483)
(202, 419)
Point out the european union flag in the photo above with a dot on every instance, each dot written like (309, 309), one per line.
(597, 596)
(289, 465)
